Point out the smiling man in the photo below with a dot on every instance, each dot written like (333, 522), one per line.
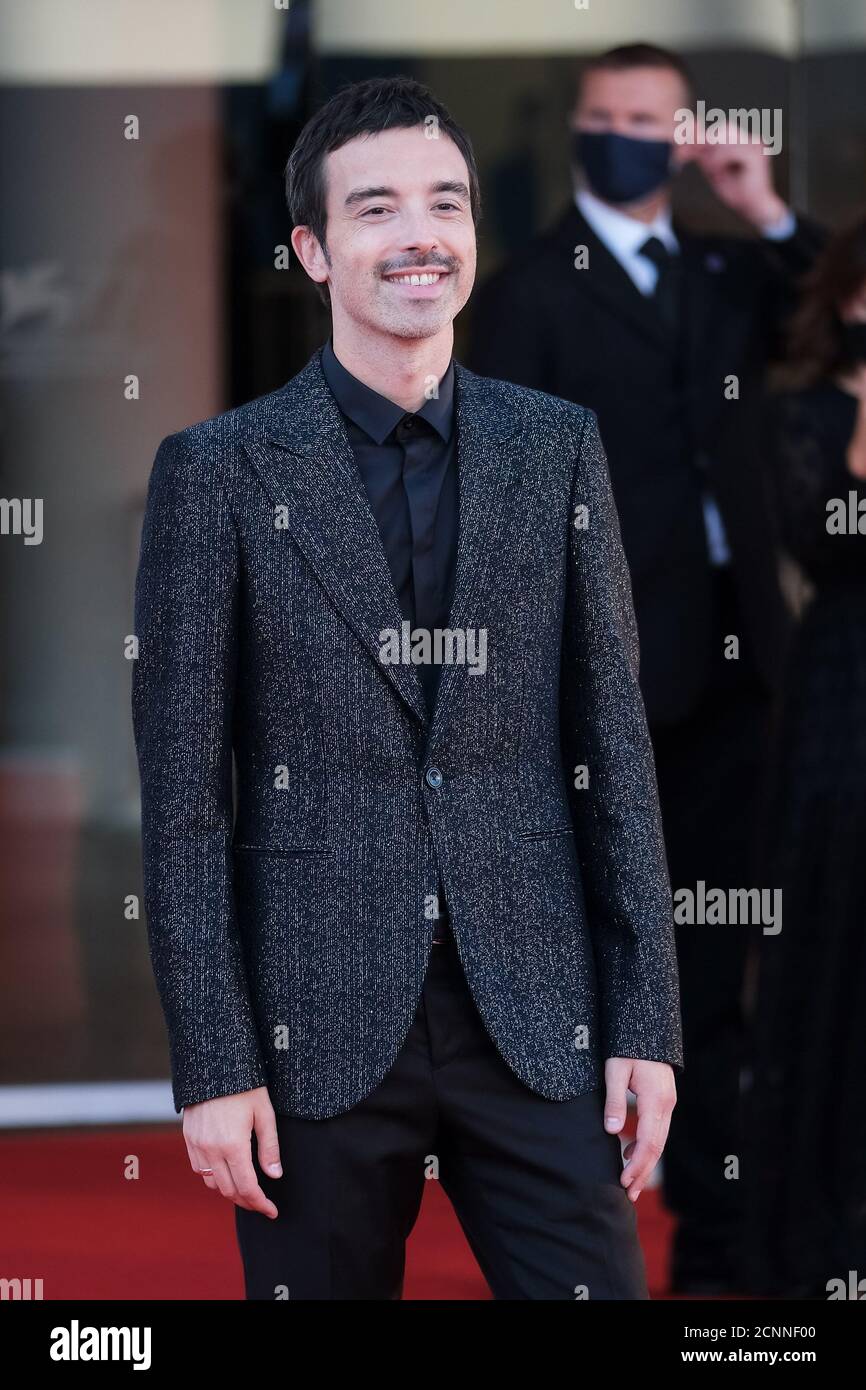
(429, 932)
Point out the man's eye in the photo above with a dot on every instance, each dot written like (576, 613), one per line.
(451, 207)
(369, 210)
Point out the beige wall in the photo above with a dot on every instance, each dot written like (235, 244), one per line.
(117, 41)
(107, 41)
(513, 26)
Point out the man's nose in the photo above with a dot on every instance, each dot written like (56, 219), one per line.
(420, 243)
(419, 233)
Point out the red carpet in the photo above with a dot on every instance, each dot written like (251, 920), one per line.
(69, 1216)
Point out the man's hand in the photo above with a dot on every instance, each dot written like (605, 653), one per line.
(740, 174)
(217, 1134)
(653, 1084)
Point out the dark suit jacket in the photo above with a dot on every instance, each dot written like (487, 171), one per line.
(290, 932)
(590, 336)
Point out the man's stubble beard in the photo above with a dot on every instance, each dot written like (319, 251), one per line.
(404, 329)
(401, 322)
(423, 325)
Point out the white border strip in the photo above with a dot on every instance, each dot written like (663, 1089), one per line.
(90, 1103)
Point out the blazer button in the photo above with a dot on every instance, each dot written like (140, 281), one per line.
(434, 777)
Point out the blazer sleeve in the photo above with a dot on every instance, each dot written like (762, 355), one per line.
(186, 621)
(616, 817)
(784, 265)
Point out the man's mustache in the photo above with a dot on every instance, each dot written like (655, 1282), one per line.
(430, 262)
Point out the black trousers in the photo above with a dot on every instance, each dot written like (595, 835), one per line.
(534, 1183)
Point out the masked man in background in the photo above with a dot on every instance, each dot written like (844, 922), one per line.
(666, 336)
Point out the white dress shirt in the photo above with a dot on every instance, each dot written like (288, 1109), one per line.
(624, 236)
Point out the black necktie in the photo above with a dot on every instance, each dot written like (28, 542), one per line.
(422, 492)
(667, 290)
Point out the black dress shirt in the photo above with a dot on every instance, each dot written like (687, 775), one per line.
(408, 465)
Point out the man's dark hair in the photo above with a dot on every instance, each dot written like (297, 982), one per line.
(640, 55)
(363, 108)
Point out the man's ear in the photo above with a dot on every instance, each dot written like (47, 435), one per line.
(306, 247)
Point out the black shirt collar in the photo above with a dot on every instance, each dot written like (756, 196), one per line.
(377, 415)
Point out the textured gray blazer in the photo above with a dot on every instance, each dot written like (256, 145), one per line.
(289, 892)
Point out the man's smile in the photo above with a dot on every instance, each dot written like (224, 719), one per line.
(420, 283)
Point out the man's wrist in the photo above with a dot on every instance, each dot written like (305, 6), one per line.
(777, 224)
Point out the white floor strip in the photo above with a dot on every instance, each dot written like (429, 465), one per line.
(91, 1103)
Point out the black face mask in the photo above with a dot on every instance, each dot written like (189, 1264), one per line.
(620, 169)
(854, 341)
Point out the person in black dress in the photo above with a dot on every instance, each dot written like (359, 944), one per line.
(806, 1176)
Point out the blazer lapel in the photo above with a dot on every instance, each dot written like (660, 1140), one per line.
(488, 449)
(303, 456)
(305, 462)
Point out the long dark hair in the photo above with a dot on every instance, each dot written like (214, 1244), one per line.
(815, 348)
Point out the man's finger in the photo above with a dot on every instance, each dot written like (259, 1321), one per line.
(226, 1183)
(653, 1122)
(267, 1141)
(247, 1191)
(197, 1162)
(222, 1177)
(616, 1101)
